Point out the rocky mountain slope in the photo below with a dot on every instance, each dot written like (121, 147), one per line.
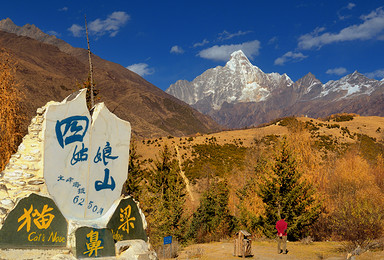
(241, 95)
(50, 69)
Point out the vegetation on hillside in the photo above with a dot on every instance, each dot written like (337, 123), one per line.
(213, 159)
(212, 220)
(324, 184)
(284, 192)
(164, 198)
(10, 113)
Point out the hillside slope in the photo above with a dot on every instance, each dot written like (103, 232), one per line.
(233, 154)
(46, 73)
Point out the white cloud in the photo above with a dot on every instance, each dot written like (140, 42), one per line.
(223, 52)
(350, 6)
(290, 57)
(199, 44)
(111, 25)
(76, 30)
(64, 9)
(273, 40)
(141, 68)
(372, 27)
(225, 35)
(337, 71)
(377, 74)
(177, 49)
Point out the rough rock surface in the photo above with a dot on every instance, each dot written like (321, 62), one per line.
(24, 172)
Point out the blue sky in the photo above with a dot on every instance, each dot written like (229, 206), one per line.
(165, 41)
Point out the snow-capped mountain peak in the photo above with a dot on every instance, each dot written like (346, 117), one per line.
(349, 85)
(238, 81)
(241, 93)
(238, 61)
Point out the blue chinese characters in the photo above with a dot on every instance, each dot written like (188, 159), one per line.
(107, 151)
(75, 128)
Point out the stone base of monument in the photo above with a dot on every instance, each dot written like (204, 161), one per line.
(36, 229)
(127, 250)
(32, 226)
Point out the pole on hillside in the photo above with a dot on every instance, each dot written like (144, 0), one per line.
(90, 63)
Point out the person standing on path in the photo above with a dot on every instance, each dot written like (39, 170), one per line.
(281, 227)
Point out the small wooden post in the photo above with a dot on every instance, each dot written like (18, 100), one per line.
(242, 244)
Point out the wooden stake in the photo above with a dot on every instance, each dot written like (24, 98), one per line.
(90, 63)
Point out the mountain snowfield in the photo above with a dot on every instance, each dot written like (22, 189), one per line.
(237, 81)
(240, 81)
(351, 84)
(241, 86)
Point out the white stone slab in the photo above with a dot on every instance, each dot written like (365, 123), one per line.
(84, 181)
(110, 138)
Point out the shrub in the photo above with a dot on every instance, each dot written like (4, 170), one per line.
(212, 221)
(219, 159)
(355, 201)
(10, 109)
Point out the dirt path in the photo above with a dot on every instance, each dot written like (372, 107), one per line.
(187, 185)
(263, 250)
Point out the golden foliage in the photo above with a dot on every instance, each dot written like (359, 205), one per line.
(355, 201)
(10, 114)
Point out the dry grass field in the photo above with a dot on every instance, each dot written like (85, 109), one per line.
(149, 148)
(263, 250)
(344, 132)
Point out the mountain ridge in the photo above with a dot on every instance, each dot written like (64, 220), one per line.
(47, 71)
(239, 90)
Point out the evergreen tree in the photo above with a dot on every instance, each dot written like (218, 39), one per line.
(212, 220)
(165, 204)
(132, 185)
(285, 192)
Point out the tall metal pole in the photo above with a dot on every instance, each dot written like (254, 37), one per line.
(90, 63)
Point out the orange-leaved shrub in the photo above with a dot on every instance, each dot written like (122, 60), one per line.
(10, 114)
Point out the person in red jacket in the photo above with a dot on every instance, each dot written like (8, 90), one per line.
(281, 227)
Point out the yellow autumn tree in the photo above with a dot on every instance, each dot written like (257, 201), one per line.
(356, 202)
(10, 114)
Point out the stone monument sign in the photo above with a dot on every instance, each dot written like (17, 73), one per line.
(85, 158)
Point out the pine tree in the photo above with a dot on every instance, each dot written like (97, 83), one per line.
(10, 109)
(212, 220)
(133, 184)
(285, 192)
(166, 198)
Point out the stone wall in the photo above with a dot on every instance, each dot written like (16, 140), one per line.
(24, 172)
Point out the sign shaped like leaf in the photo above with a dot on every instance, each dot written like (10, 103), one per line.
(85, 158)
